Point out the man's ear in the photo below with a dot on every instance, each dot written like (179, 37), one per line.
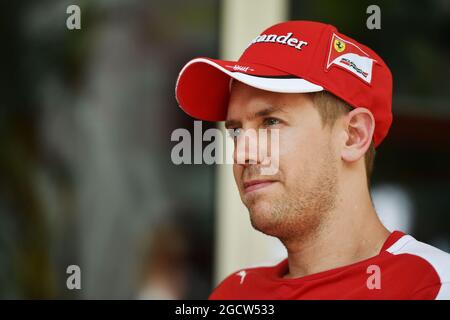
(359, 126)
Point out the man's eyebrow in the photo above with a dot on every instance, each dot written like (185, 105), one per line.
(267, 111)
(232, 123)
(261, 113)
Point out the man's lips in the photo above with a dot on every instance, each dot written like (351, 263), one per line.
(252, 185)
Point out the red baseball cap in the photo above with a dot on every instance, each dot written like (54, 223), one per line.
(292, 57)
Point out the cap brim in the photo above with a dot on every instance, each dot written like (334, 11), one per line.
(203, 85)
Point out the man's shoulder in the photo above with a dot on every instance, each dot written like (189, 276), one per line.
(438, 259)
(425, 262)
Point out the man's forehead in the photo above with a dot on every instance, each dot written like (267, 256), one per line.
(247, 101)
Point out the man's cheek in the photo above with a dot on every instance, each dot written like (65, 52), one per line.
(288, 152)
(237, 173)
(292, 157)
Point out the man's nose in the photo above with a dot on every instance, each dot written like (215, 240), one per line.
(246, 148)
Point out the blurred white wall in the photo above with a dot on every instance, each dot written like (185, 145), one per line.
(238, 245)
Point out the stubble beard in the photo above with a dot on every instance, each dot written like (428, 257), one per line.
(301, 210)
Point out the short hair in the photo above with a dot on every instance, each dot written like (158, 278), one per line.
(332, 108)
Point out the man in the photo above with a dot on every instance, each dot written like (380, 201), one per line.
(329, 98)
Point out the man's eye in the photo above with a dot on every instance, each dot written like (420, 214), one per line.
(271, 121)
(234, 132)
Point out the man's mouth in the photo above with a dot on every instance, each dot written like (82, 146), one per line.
(253, 185)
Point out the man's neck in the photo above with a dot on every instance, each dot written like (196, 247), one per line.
(353, 233)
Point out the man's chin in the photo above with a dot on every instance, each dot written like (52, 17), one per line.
(263, 218)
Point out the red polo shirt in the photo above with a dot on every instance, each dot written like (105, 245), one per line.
(404, 269)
